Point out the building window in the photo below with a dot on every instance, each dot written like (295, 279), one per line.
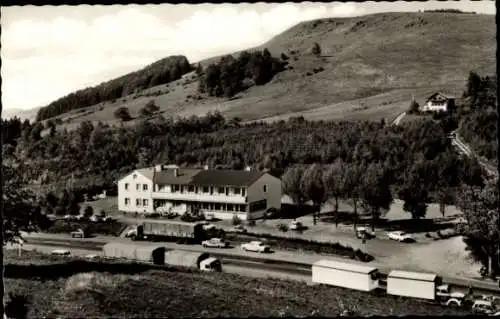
(264, 188)
(217, 206)
(137, 202)
(126, 186)
(229, 207)
(205, 189)
(127, 201)
(211, 190)
(221, 190)
(196, 190)
(237, 190)
(243, 208)
(243, 191)
(137, 186)
(135, 176)
(144, 202)
(190, 188)
(182, 188)
(175, 188)
(144, 187)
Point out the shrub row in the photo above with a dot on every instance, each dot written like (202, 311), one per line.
(304, 244)
(113, 228)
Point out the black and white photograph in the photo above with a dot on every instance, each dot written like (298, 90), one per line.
(237, 160)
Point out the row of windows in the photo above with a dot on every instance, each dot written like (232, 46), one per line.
(137, 187)
(138, 202)
(196, 189)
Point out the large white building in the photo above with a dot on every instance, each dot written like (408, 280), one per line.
(220, 193)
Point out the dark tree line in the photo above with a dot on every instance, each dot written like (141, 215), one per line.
(99, 154)
(230, 76)
(163, 71)
(478, 115)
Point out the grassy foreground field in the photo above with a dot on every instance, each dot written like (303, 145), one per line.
(76, 289)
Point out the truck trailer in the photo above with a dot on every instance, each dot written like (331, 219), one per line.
(182, 232)
(135, 252)
(198, 260)
(413, 284)
(347, 275)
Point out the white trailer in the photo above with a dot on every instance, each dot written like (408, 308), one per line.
(412, 284)
(347, 275)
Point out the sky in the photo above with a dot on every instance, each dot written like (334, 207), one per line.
(50, 51)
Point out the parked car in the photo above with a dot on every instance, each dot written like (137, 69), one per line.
(60, 252)
(238, 229)
(400, 236)
(91, 256)
(364, 232)
(215, 243)
(295, 225)
(131, 232)
(95, 219)
(69, 217)
(80, 233)
(483, 307)
(256, 246)
(207, 226)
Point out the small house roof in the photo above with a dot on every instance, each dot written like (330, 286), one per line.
(412, 275)
(442, 95)
(345, 266)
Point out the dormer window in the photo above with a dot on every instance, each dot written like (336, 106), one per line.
(134, 176)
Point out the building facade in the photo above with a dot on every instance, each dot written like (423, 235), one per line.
(439, 102)
(220, 193)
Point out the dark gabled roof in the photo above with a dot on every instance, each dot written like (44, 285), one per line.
(167, 176)
(226, 178)
(446, 96)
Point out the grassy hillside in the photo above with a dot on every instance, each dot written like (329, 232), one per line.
(371, 65)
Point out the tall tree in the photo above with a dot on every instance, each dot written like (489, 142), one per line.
(480, 207)
(352, 182)
(334, 182)
(316, 49)
(375, 191)
(291, 183)
(313, 188)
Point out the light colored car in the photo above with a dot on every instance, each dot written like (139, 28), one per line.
(69, 217)
(483, 307)
(207, 226)
(400, 236)
(91, 256)
(78, 234)
(256, 246)
(238, 229)
(295, 225)
(364, 232)
(60, 252)
(215, 243)
(131, 232)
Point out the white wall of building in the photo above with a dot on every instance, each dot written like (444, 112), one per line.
(272, 193)
(133, 194)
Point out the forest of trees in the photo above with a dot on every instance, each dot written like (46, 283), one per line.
(230, 76)
(163, 71)
(478, 115)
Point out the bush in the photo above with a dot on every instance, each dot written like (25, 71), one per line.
(236, 220)
(283, 227)
(17, 306)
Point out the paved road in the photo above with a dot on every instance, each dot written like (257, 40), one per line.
(398, 119)
(465, 149)
(250, 269)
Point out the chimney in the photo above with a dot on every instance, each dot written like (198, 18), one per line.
(158, 168)
(205, 167)
(176, 171)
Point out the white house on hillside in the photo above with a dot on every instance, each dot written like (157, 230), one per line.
(438, 102)
(221, 193)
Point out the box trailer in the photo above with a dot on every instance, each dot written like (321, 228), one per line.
(189, 259)
(347, 275)
(140, 253)
(412, 284)
(168, 230)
